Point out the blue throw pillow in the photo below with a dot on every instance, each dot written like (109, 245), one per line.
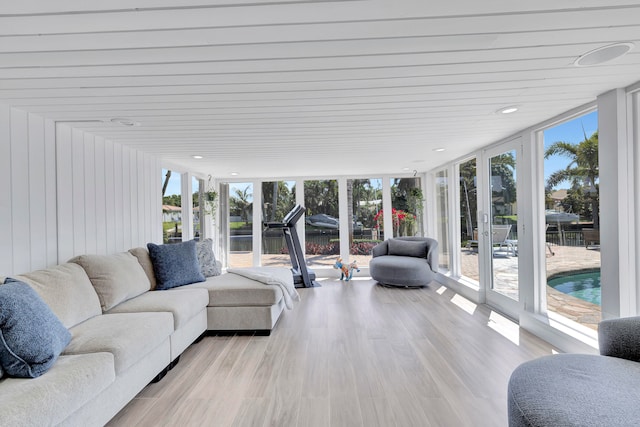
(175, 264)
(31, 336)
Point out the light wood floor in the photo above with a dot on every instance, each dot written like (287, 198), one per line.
(348, 354)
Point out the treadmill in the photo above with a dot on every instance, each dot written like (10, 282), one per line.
(303, 277)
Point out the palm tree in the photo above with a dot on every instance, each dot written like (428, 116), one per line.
(581, 172)
(241, 204)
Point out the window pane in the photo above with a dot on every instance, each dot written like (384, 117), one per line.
(407, 206)
(504, 223)
(442, 218)
(469, 220)
(197, 224)
(171, 207)
(572, 220)
(241, 224)
(322, 234)
(278, 198)
(365, 197)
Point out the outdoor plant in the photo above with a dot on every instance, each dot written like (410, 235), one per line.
(404, 223)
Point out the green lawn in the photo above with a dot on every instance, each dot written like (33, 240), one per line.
(166, 226)
(240, 224)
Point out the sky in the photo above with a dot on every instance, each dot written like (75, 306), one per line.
(174, 183)
(570, 131)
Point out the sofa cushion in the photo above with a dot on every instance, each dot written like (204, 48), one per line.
(116, 277)
(67, 290)
(207, 258)
(233, 290)
(175, 264)
(128, 336)
(407, 248)
(49, 399)
(31, 336)
(142, 254)
(184, 304)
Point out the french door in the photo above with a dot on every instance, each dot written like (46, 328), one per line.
(499, 226)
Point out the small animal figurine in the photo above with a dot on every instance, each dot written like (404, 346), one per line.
(346, 271)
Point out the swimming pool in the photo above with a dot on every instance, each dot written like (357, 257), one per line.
(584, 285)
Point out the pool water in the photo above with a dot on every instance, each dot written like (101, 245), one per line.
(585, 286)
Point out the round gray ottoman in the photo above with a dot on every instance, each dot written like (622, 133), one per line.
(575, 390)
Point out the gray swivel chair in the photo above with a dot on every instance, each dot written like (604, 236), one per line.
(582, 389)
(405, 261)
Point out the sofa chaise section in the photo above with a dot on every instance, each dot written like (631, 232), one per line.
(237, 303)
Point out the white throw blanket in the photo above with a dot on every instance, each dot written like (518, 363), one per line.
(272, 276)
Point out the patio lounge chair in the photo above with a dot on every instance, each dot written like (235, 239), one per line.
(500, 240)
(591, 237)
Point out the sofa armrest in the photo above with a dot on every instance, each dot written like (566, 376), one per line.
(620, 338)
(380, 249)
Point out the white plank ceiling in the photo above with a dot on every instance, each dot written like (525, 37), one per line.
(309, 88)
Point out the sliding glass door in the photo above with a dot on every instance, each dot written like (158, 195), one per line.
(500, 225)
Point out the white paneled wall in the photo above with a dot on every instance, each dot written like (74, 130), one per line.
(108, 195)
(27, 192)
(64, 192)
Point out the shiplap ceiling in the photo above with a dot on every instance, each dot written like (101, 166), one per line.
(309, 88)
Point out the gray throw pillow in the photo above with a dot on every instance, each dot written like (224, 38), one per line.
(31, 336)
(410, 248)
(207, 258)
(175, 264)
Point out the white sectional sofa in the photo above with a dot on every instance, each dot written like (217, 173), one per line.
(124, 334)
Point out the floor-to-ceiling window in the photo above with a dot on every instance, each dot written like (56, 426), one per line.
(198, 207)
(278, 198)
(322, 234)
(572, 220)
(442, 218)
(171, 207)
(407, 206)
(503, 222)
(240, 224)
(468, 206)
(366, 226)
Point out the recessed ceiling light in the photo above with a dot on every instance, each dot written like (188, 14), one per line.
(438, 150)
(124, 122)
(603, 54)
(405, 169)
(234, 173)
(198, 157)
(507, 110)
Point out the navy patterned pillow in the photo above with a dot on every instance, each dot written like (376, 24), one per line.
(175, 264)
(207, 259)
(31, 336)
